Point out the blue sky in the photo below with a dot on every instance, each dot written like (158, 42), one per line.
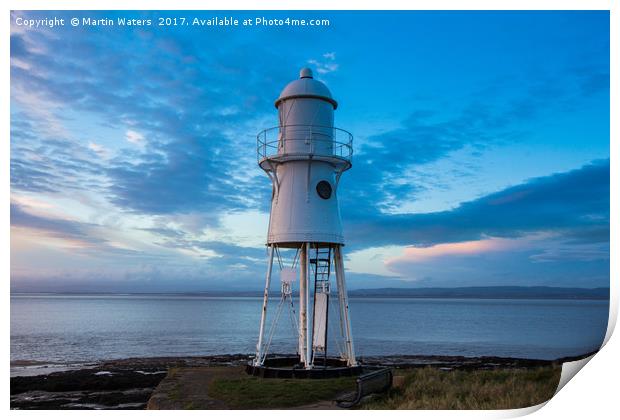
(481, 148)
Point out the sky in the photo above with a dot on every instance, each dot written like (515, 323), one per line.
(481, 148)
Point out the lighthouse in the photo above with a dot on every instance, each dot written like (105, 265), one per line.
(305, 157)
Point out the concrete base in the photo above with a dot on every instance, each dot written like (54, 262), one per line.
(291, 368)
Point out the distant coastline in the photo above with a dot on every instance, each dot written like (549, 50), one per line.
(486, 292)
(494, 292)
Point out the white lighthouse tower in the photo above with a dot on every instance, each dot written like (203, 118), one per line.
(304, 156)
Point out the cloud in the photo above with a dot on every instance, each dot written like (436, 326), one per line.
(572, 203)
(81, 239)
(563, 251)
(199, 130)
(386, 168)
(519, 265)
(99, 150)
(134, 137)
(548, 230)
(72, 232)
(53, 253)
(387, 164)
(181, 109)
(415, 254)
(194, 107)
(179, 239)
(326, 65)
(212, 108)
(53, 165)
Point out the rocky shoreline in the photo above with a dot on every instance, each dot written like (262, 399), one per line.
(129, 383)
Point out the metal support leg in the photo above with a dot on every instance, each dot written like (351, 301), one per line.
(344, 306)
(259, 345)
(303, 308)
(308, 334)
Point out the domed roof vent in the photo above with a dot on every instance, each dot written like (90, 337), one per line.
(305, 73)
(306, 87)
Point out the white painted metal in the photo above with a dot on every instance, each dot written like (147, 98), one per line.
(306, 154)
(259, 345)
(287, 278)
(306, 87)
(344, 306)
(308, 361)
(298, 214)
(302, 151)
(303, 304)
(319, 323)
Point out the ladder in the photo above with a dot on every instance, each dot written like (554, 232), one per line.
(321, 264)
(322, 268)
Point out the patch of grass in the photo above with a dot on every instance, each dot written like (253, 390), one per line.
(258, 393)
(431, 389)
(175, 394)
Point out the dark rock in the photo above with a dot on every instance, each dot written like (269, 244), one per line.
(129, 383)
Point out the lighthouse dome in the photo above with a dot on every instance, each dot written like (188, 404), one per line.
(306, 87)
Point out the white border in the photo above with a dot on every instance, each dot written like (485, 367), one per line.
(314, 5)
(592, 395)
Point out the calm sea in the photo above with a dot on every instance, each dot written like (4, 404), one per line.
(90, 328)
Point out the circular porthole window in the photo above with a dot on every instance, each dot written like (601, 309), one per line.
(324, 189)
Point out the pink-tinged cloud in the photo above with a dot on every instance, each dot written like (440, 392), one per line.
(418, 254)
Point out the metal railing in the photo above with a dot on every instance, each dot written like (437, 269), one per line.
(299, 139)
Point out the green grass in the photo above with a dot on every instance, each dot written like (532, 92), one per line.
(176, 393)
(257, 393)
(431, 389)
